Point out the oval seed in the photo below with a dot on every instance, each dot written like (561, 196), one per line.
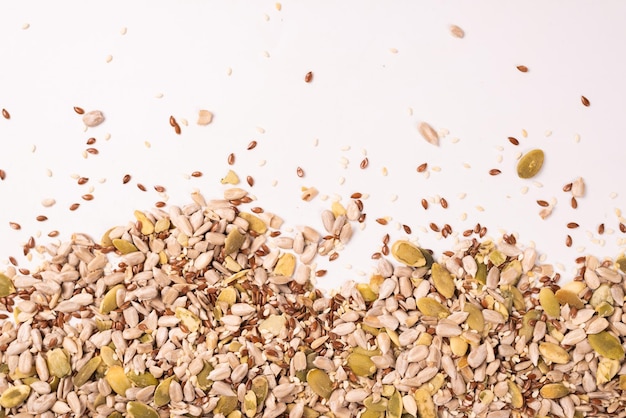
(139, 410)
(554, 391)
(320, 383)
(530, 164)
(6, 286)
(585, 101)
(607, 345)
(14, 396)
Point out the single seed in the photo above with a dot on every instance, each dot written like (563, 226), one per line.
(513, 141)
(42, 218)
(385, 250)
(12, 260)
(574, 202)
(172, 121)
(251, 145)
(82, 180)
(320, 273)
(333, 256)
(356, 195)
(407, 229)
(434, 227)
(543, 203)
(6, 114)
(177, 129)
(622, 228)
(568, 241)
(300, 172)
(126, 178)
(522, 68)
(422, 167)
(159, 204)
(91, 141)
(443, 202)
(308, 77)
(250, 180)
(74, 206)
(141, 187)
(15, 225)
(381, 221)
(257, 209)
(585, 101)
(572, 225)
(3, 174)
(231, 159)
(425, 203)
(567, 187)
(494, 172)
(457, 32)
(601, 229)
(196, 174)
(93, 151)
(87, 196)
(364, 163)
(530, 164)
(159, 189)
(79, 110)
(53, 234)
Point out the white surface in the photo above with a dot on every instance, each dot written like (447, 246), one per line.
(360, 101)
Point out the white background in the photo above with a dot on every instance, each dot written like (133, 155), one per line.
(379, 69)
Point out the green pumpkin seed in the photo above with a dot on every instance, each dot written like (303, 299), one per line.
(260, 387)
(234, 241)
(14, 396)
(607, 369)
(58, 363)
(408, 253)
(85, 372)
(320, 383)
(118, 380)
(607, 345)
(228, 295)
(430, 307)
(162, 392)
(379, 406)
(361, 365)
(142, 379)
(308, 411)
(517, 399)
(256, 224)
(273, 324)
(394, 406)
(140, 410)
(443, 281)
(605, 309)
(621, 263)
(497, 258)
(554, 391)
(530, 164)
(226, 405)
(162, 225)
(549, 302)
(568, 297)
(369, 413)
(6, 286)
(366, 291)
(481, 273)
(475, 319)
(286, 265)
(368, 353)
(528, 321)
(188, 318)
(601, 295)
(425, 405)
(249, 404)
(147, 227)
(124, 246)
(115, 414)
(203, 381)
(554, 353)
(109, 301)
(109, 357)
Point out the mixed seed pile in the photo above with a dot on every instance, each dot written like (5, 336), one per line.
(208, 310)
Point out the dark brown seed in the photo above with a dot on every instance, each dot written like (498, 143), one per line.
(448, 228)
(434, 227)
(567, 187)
(477, 228)
(585, 101)
(467, 232)
(74, 206)
(251, 145)
(31, 242)
(300, 172)
(601, 229)
(93, 151)
(231, 159)
(257, 209)
(381, 221)
(126, 178)
(250, 181)
(494, 172)
(572, 225)
(141, 187)
(6, 114)
(246, 199)
(422, 167)
(356, 195)
(407, 229)
(376, 256)
(543, 203)
(320, 273)
(15, 225)
(159, 204)
(574, 202)
(385, 250)
(12, 260)
(622, 227)
(513, 141)
(359, 204)
(79, 110)
(196, 174)
(522, 68)
(53, 234)
(91, 141)
(333, 256)
(82, 180)
(41, 218)
(274, 234)
(362, 217)
(173, 121)
(386, 239)
(3, 174)
(425, 203)
(364, 163)
(87, 196)
(177, 129)
(308, 77)
(444, 203)
(482, 232)
(568, 241)
(159, 189)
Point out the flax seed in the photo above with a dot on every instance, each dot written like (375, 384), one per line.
(74, 206)
(522, 68)
(568, 241)
(3, 174)
(250, 180)
(231, 159)
(362, 217)
(467, 232)
(159, 204)
(308, 77)
(159, 189)
(585, 101)
(251, 145)
(385, 250)
(141, 187)
(482, 232)
(622, 228)
(572, 225)
(300, 172)
(543, 203)
(41, 218)
(93, 151)
(320, 273)
(15, 225)
(494, 172)
(333, 256)
(79, 110)
(425, 203)
(13, 260)
(257, 209)
(6, 114)
(82, 180)
(91, 141)
(381, 221)
(126, 178)
(356, 195)
(422, 167)
(376, 256)
(87, 196)
(407, 229)
(196, 174)
(513, 141)
(53, 234)
(364, 163)
(573, 202)
(434, 227)
(567, 187)
(172, 121)
(444, 203)
(601, 229)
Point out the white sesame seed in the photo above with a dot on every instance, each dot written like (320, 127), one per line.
(262, 163)
(109, 58)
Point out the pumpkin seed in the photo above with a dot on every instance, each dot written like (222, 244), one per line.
(408, 253)
(260, 387)
(85, 372)
(58, 363)
(554, 353)
(517, 399)
(147, 227)
(226, 405)
(6, 286)
(228, 295)
(549, 302)
(567, 297)
(124, 246)
(255, 223)
(234, 241)
(142, 379)
(380, 406)
(430, 307)
(601, 295)
(497, 258)
(109, 301)
(139, 410)
(621, 263)
(320, 382)
(230, 178)
(530, 164)
(361, 365)
(188, 319)
(443, 281)
(203, 380)
(458, 346)
(249, 404)
(118, 380)
(366, 291)
(286, 265)
(273, 324)
(607, 345)
(425, 405)
(554, 391)
(475, 320)
(607, 369)
(605, 309)
(162, 392)
(162, 225)
(394, 406)
(14, 396)
(108, 356)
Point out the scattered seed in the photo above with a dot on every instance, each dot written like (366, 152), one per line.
(93, 151)
(356, 195)
(543, 203)
(444, 203)
(585, 101)
(159, 189)
(522, 68)
(231, 159)
(87, 196)
(320, 273)
(308, 77)
(6, 114)
(160, 204)
(126, 178)
(622, 228)
(74, 206)
(425, 203)
(434, 227)
(428, 133)
(15, 225)
(407, 229)
(568, 241)
(513, 141)
(364, 163)
(91, 141)
(82, 180)
(422, 167)
(494, 172)
(196, 174)
(300, 172)
(204, 117)
(41, 218)
(573, 202)
(53, 234)
(601, 229)
(79, 110)
(3, 174)
(251, 145)
(572, 225)
(530, 164)
(250, 180)
(141, 187)
(567, 187)
(457, 32)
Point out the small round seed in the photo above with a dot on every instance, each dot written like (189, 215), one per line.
(572, 225)
(79, 110)
(585, 101)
